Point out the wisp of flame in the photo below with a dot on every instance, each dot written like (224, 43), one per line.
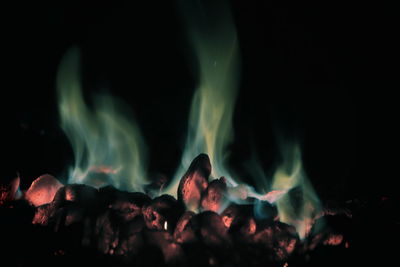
(213, 38)
(107, 145)
(299, 206)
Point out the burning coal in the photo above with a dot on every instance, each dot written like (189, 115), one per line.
(199, 227)
(210, 122)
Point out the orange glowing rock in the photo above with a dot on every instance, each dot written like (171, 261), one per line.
(240, 221)
(230, 214)
(162, 213)
(333, 240)
(212, 230)
(195, 182)
(42, 190)
(9, 192)
(214, 196)
(42, 214)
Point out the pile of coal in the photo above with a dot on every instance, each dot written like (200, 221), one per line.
(76, 223)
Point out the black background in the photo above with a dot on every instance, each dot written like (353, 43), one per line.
(297, 75)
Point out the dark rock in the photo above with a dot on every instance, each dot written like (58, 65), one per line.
(279, 239)
(240, 221)
(164, 241)
(212, 230)
(9, 191)
(118, 227)
(184, 230)
(162, 213)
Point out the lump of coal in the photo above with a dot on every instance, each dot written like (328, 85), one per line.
(9, 191)
(330, 230)
(118, 227)
(194, 182)
(212, 230)
(279, 239)
(76, 193)
(164, 241)
(239, 220)
(214, 197)
(42, 190)
(42, 214)
(212, 243)
(130, 238)
(184, 231)
(236, 213)
(71, 204)
(162, 213)
(129, 205)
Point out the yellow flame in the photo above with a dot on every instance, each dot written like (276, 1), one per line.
(210, 122)
(102, 137)
(299, 212)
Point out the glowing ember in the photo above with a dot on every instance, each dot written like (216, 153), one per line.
(42, 190)
(9, 192)
(125, 225)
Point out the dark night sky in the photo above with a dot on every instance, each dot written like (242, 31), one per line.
(296, 75)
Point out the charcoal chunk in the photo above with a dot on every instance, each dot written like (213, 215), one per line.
(162, 213)
(118, 227)
(184, 230)
(194, 182)
(42, 190)
(10, 191)
(214, 197)
(164, 241)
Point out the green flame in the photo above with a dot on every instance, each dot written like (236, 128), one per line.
(213, 38)
(107, 144)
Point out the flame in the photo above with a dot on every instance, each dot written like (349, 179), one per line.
(107, 144)
(301, 209)
(210, 121)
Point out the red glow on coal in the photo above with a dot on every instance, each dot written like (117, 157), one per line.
(334, 240)
(42, 190)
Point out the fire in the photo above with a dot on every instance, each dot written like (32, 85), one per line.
(107, 144)
(109, 148)
(300, 205)
(210, 122)
(207, 213)
(103, 169)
